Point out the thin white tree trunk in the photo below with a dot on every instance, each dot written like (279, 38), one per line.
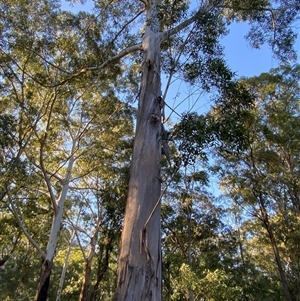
(44, 280)
(65, 266)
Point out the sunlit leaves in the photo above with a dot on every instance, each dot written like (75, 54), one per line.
(263, 178)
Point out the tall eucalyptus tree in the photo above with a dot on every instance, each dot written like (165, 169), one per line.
(139, 270)
(177, 37)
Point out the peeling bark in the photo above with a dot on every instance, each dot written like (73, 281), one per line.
(139, 267)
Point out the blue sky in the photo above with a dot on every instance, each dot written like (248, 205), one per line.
(243, 59)
(240, 57)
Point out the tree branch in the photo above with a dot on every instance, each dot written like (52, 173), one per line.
(22, 226)
(126, 24)
(192, 19)
(114, 58)
(118, 56)
(178, 28)
(42, 166)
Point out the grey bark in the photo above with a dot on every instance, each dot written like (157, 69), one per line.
(139, 266)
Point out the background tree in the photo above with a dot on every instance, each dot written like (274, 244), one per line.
(264, 178)
(52, 114)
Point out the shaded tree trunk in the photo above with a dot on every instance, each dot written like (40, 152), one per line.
(86, 279)
(102, 268)
(139, 266)
(88, 269)
(44, 281)
(274, 246)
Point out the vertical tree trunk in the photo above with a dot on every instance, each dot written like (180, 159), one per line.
(139, 266)
(86, 279)
(43, 284)
(103, 263)
(191, 293)
(64, 270)
(274, 246)
(44, 281)
(88, 269)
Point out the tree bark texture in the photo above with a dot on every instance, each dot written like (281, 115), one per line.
(44, 281)
(139, 266)
(86, 280)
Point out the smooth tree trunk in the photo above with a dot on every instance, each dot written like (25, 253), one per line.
(88, 269)
(139, 266)
(64, 270)
(47, 260)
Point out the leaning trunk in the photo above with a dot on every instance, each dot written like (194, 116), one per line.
(64, 270)
(88, 268)
(139, 266)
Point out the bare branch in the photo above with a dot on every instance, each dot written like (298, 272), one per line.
(181, 26)
(22, 226)
(126, 24)
(42, 166)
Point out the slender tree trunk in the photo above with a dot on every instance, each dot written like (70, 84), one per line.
(102, 268)
(64, 270)
(43, 284)
(88, 270)
(265, 218)
(191, 293)
(86, 279)
(139, 266)
(275, 250)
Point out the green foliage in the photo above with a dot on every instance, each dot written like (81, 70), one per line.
(172, 12)
(193, 134)
(56, 104)
(270, 21)
(263, 178)
(226, 125)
